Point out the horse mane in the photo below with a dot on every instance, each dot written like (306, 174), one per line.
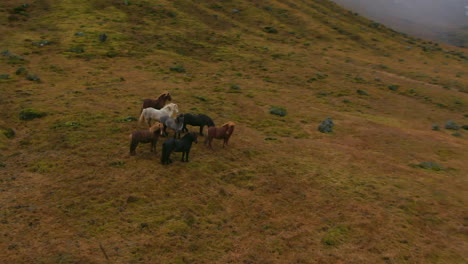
(230, 123)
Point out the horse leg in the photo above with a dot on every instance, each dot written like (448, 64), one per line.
(186, 155)
(163, 155)
(153, 146)
(133, 146)
(209, 142)
(201, 130)
(164, 130)
(169, 160)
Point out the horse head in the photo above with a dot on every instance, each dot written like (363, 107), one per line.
(157, 126)
(165, 94)
(180, 119)
(229, 126)
(175, 107)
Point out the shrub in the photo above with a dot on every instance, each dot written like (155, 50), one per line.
(234, 88)
(76, 49)
(336, 235)
(20, 9)
(128, 119)
(326, 126)
(451, 125)
(274, 110)
(201, 98)
(177, 68)
(270, 30)
(21, 71)
(33, 77)
(361, 92)
(430, 166)
(30, 114)
(117, 164)
(8, 132)
(393, 87)
(41, 43)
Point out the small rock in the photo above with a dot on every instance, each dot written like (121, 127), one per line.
(435, 127)
(79, 34)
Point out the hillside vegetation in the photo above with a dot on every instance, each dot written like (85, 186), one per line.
(388, 185)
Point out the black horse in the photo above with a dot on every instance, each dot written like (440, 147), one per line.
(197, 120)
(178, 145)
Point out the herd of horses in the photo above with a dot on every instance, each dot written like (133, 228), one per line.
(158, 115)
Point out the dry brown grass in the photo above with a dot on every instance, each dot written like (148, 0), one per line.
(281, 192)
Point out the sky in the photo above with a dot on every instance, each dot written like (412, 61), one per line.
(422, 18)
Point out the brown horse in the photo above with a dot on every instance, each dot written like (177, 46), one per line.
(146, 136)
(158, 103)
(223, 132)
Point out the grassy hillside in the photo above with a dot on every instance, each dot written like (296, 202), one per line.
(383, 187)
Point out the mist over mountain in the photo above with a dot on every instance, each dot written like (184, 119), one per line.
(444, 21)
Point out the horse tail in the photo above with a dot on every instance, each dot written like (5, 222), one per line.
(142, 116)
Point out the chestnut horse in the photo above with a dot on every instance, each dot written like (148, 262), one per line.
(224, 132)
(158, 103)
(146, 136)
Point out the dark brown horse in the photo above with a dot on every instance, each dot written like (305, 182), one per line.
(158, 103)
(224, 132)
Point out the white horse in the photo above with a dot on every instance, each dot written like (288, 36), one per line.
(150, 113)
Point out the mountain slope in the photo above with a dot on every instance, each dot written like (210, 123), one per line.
(281, 192)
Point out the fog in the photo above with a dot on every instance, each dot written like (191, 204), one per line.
(432, 19)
